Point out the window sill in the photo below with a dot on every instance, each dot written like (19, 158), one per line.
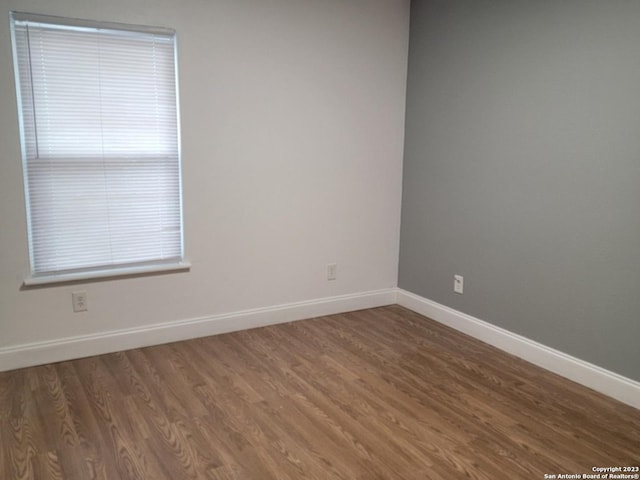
(105, 274)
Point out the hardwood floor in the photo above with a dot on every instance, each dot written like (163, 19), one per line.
(376, 394)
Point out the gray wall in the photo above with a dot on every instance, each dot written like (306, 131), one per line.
(522, 169)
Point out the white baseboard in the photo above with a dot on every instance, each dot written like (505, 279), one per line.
(580, 371)
(113, 341)
(585, 373)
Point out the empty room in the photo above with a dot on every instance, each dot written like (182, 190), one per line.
(319, 239)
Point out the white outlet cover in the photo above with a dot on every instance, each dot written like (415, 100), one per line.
(79, 300)
(332, 271)
(458, 284)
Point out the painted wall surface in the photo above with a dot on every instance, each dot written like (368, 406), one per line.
(522, 169)
(292, 119)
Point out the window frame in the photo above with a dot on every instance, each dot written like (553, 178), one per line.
(177, 263)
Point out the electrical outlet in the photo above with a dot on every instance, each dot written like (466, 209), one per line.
(332, 271)
(458, 284)
(79, 300)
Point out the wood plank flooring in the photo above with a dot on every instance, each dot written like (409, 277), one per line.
(376, 394)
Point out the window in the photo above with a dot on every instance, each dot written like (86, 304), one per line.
(100, 147)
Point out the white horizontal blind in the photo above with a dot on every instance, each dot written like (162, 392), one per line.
(100, 145)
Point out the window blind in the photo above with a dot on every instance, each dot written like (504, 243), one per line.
(99, 125)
